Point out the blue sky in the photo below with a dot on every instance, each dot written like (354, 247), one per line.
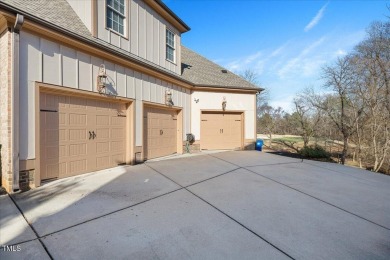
(285, 42)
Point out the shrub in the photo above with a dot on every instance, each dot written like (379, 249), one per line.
(314, 152)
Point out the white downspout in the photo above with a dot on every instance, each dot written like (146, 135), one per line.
(15, 100)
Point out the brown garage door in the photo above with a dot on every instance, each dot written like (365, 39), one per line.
(79, 135)
(160, 132)
(221, 130)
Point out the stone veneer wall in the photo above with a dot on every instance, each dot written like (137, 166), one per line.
(5, 109)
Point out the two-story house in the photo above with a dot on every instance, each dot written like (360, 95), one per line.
(89, 85)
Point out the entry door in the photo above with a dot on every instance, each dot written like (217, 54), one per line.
(221, 131)
(160, 132)
(79, 135)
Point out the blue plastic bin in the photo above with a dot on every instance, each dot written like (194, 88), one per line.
(259, 144)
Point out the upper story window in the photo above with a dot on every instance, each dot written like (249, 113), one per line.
(116, 15)
(170, 41)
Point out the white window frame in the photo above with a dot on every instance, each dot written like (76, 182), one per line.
(108, 7)
(167, 45)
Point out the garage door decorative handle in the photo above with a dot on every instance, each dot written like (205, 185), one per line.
(90, 135)
(93, 134)
(161, 132)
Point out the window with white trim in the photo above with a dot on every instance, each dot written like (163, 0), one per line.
(116, 15)
(170, 50)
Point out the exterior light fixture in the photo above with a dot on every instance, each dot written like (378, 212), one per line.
(224, 103)
(101, 79)
(168, 98)
(196, 100)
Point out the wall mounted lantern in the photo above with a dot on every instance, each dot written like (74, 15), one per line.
(168, 98)
(224, 103)
(101, 79)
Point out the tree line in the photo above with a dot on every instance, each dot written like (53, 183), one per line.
(353, 106)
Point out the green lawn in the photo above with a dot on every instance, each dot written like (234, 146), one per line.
(289, 139)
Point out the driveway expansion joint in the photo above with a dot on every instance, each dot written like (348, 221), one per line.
(219, 210)
(32, 228)
(311, 196)
(109, 213)
(112, 212)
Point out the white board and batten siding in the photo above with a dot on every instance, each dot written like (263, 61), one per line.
(234, 102)
(52, 63)
(145, 33)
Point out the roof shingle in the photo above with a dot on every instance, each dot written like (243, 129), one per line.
(195, 68)
(203, 72)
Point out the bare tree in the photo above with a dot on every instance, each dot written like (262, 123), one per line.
(372, 68)
(339, 106)
(306, 119)
(263, 97)
(269, 121)
(250, 76)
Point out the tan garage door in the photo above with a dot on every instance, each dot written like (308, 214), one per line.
(160, 132)
(79, 135)
(221, 130)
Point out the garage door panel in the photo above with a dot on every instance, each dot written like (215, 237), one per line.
(160, 132)
(77, 119)
(118, 133)
(52, 119)
(76, 167)
(118, 121)
(102, 133)
(78, 149)
(62, 119)
(54, 170)
(102, 162)
(53, 152)
(117, 146)
(153, 123)
(75, 135)
(102, 120)
(52, 136)
(102, 147)
(67, 148)
(154, 132)
(221, 130)
(51, 103)
(117, 159)
(154, 142)
(78, 103)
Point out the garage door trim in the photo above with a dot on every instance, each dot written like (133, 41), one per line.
(60, 90)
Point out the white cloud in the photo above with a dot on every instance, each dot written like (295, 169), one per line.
(279, 50)
(300, 62)
(316, 19)
(241, 64)
(288, 68)
(312, 66)
(234, 66)
(312, 46)
(255, 61)
(253, 57)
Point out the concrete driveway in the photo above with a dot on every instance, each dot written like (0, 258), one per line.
(230, 205)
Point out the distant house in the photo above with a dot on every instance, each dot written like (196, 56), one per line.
(88, 85)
